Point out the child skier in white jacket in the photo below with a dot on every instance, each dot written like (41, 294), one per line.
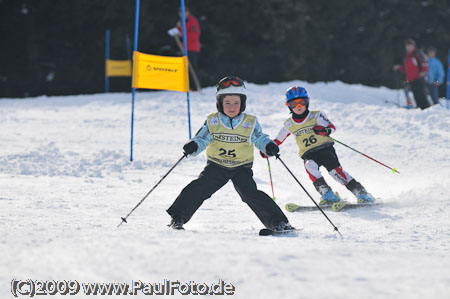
(311, 130)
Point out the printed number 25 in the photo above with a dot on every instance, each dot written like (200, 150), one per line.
(231, 153)
(309, 141)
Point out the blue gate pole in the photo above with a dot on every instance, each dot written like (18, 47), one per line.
(106, 58)
(448, 81)
(185, 54)
(129, 53)
(133, 90)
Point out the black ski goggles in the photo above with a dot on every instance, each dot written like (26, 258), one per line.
(228, 81)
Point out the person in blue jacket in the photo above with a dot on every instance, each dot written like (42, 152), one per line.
(229, 136)
(436, 74)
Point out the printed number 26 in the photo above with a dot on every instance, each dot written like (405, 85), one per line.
(309, 141)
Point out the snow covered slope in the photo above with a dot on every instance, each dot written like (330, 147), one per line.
(66, 179)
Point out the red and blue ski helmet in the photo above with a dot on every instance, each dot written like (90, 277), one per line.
(296, 92)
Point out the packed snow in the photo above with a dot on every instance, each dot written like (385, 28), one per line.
(66, 180)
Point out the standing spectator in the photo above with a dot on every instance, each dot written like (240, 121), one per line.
(435, 74)
(192, 36)
(415, 67)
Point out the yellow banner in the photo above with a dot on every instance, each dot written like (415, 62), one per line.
(160, 72)
(118, 68)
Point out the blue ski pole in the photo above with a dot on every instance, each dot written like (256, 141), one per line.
(448, 81)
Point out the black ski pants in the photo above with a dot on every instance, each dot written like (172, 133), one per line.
(212, 178)
(418, 89)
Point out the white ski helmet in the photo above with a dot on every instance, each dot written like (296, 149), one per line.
(230, 85)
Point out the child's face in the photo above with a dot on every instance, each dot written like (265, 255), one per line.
(231, 105)
(298, 105)
(299, 109)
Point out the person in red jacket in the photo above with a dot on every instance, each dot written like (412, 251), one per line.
(415, 66)
(192, 36)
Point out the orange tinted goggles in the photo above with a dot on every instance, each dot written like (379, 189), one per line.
(228, 83)
(297, 102)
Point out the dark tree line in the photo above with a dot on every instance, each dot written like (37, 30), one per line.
(57, 47)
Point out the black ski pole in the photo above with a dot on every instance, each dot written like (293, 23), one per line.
(334, 226)
(124, 219)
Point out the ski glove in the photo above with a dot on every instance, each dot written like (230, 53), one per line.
(321, 130)
(190, 147)
(272, 149)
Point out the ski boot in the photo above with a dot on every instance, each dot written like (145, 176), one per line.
(282, 226)
(328, 198)
(362, 196)
(365, 197)
(176, 223)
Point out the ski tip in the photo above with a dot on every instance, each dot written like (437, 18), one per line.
(291, 207)
(265, 232)
(338, 206)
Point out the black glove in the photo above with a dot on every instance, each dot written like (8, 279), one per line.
(190, 147)
(272, 149)
(321, 130)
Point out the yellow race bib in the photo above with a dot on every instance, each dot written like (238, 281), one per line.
(230, 147)
(304, 135)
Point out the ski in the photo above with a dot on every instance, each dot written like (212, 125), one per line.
(292, 207)
(270, 232)
(336, 207)
(399, 105)
(191, 68)
(342, 206)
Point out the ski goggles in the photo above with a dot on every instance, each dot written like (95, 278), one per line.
(227, 82)
(297, 102)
